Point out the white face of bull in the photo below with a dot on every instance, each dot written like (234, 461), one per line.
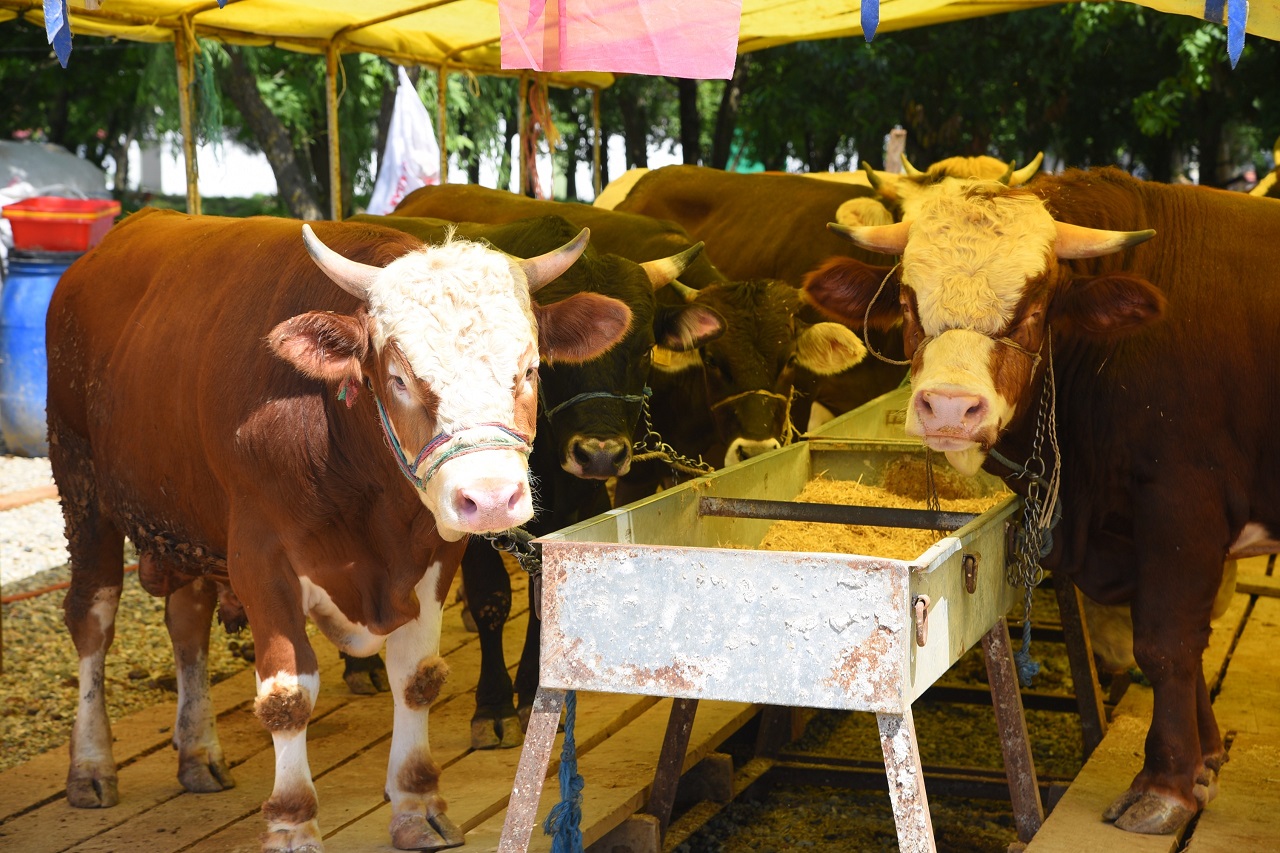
(966, 270)
(980, 274)
(448, 341)
(460, 316)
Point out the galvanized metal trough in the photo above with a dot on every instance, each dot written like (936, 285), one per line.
(658, 598)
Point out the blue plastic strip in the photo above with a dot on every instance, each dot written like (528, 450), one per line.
(870, 19)
(57, 28)
(1237, 15)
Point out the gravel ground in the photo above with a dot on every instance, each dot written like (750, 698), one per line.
(32, 535)
(39, 687)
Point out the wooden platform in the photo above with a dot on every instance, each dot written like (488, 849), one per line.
(619, 738)
(1243, 665)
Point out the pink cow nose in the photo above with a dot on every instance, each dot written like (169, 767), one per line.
(950, 411)
(487, 506)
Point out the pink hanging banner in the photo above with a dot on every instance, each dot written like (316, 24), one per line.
(674, 38)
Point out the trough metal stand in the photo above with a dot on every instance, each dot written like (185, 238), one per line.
(898, 742)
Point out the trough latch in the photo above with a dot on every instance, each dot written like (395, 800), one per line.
(921, 605)
(970, 563)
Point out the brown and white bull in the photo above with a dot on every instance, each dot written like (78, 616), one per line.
(285, 437)
(1158, 362)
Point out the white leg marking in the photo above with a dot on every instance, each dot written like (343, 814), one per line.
(91, 734)
(408, 646)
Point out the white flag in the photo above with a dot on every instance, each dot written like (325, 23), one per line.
(412, 156)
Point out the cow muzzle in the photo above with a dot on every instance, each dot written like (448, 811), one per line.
(591, 458)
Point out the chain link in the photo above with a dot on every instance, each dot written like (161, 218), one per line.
(651, 447)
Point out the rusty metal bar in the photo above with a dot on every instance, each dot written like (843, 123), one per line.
(671, 761)
(597, 177)
(442, 119)
(522, 808)
(906, 782)
(1024, 789)
(875, 516)
(837, 771)
(1084, 671)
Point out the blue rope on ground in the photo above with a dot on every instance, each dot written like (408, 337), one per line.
(564, 822)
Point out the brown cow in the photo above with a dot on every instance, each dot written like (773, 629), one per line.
(256, 431)
(1033, 337)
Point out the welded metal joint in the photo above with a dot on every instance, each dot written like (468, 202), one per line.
(970, 564)
(921, 606)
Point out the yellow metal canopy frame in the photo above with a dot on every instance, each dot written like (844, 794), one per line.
(464, 35)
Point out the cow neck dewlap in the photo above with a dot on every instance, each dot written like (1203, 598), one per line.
(461, 315)
(972, 249)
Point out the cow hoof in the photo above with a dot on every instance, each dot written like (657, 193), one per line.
(418, 832)
(1206, 787)
(511, 732)
(1148, 813)
(367, 683)
(300, 839)
(484, 734)
(199, 775)
(87, 789)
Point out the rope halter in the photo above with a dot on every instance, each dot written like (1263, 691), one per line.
(509, 439)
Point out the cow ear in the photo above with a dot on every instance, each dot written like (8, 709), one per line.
(843, 287)
(581, 327)
(687, 327)
(1107, 305)
(828, 348)
(322, 344)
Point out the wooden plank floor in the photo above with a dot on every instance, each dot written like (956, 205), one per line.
(1242, 663)
(619, 738)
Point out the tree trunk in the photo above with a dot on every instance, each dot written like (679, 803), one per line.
(571, 166)
(297, 193)
(120, 153)
(727, 116)
(690, 121)
(504, 160)
(635, 127)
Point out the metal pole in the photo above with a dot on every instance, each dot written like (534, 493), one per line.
(331, 57)
(523, 172)
(875, 516)
(184, 53)
(442, 118)
(597, 177)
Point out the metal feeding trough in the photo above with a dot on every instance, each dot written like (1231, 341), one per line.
(669, 596)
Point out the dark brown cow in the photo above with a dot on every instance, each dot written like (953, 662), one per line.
(294, 436)
(1147, 378)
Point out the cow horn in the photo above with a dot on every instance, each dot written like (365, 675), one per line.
(666, 270)
(687, 293)
(887, 239)
(352, 276)
(550, 266)
(909, 170)
(873, 177)
(1021, 176)
(1076, 241)
(1007, 177)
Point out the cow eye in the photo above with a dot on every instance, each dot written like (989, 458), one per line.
(530, 373)
(398, 383)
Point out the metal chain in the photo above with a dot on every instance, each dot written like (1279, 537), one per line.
(518, 542)
(651, 447)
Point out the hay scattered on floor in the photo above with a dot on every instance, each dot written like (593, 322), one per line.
(905, 482)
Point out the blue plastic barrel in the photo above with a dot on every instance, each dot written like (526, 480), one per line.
(24, 301)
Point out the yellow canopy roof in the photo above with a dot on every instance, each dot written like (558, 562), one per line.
(464, 34)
